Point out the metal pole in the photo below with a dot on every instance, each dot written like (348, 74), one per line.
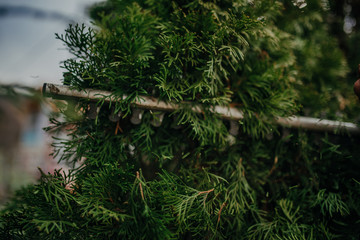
(229, 113)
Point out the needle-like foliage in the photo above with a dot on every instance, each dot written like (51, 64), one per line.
(194, 177)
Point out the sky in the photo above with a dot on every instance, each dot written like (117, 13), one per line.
(29, 53)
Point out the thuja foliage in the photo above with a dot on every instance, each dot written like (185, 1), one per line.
(190, 178)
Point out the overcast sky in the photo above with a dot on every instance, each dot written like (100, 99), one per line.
(29, 53)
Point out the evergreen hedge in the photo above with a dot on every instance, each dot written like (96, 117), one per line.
(190, 178)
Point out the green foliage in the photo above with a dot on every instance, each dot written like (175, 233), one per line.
(190, 178)
(225, 57)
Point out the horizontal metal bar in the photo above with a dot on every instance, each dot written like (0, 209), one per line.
(318, 124)
(144, 102)
(229, 113)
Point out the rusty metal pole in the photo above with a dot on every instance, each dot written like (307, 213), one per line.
(228, 113)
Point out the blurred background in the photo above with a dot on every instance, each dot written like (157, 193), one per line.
(30, 56)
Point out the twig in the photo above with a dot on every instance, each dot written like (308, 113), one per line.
(207, 193)
(141, 189)
(241, 166)
(221, 208)
(118, 128)
(274, 166)
(90, 135)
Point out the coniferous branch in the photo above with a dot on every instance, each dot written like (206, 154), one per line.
(198, 179)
